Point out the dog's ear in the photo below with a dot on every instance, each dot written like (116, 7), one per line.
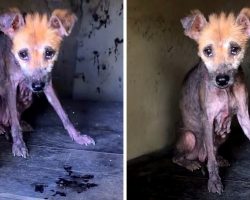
(193, 24)
(11, 21)
(243, 19)
(63, 21)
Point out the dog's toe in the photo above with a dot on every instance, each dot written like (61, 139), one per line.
(84, 140)
(20, 149)
(194, 165)
(215, 186)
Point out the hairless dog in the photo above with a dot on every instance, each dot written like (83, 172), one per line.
(28, 49)
(213, 91)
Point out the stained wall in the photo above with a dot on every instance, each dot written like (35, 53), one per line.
(159, 55)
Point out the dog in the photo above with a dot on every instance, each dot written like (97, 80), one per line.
(213, 91)
(28, 49)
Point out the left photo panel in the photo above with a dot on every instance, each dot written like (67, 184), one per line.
(61, 99)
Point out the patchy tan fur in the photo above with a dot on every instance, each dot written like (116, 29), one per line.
(219, 32)
(35, 35)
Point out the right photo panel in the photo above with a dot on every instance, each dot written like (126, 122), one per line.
(188, 126)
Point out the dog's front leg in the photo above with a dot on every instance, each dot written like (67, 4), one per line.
(214, 181)
(74, 134)
(19, 148)
(241, 95)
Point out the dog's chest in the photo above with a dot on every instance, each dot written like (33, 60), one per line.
(226, 108)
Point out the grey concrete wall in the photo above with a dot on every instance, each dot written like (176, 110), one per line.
(78, 72)
(100, 52)
(159, 55)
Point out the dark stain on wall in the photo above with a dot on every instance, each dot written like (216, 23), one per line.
(95, 17)
(120, 12)
(117, 42)
(170, 49)
(104, 67)
(96, 61)
(80, 59)
(110, 51)
(80, 76)
(120, 82)
(98, 89)
(101, 17)
(83, 77)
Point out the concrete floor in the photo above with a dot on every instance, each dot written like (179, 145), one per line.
(58, 168)
(155, 177)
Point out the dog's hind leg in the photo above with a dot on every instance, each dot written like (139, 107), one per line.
(186, 155)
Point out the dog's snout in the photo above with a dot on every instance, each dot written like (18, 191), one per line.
(222, 80)
(38, 86)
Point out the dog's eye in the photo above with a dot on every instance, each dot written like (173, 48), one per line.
(234, 49)
(208, 51)
(23, 54)
(49, 53)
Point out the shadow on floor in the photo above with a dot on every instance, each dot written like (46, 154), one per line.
(155, 177)
(58, 168)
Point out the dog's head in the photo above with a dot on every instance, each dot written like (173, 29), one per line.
(36, 42)
(221, 42)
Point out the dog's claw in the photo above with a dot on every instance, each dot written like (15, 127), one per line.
(194, 166)
(215, 186)
(84, 140)
(20, 150)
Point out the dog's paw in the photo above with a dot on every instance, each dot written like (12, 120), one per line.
(84, 139)
(215, 185)
(194, 165)
(20, 149)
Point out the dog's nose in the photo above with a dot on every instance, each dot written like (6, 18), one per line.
(222, 80)
(37, 86)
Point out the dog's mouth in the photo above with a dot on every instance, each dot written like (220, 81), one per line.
(223, 87)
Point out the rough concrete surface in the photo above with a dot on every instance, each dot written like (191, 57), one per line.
(57, 167)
